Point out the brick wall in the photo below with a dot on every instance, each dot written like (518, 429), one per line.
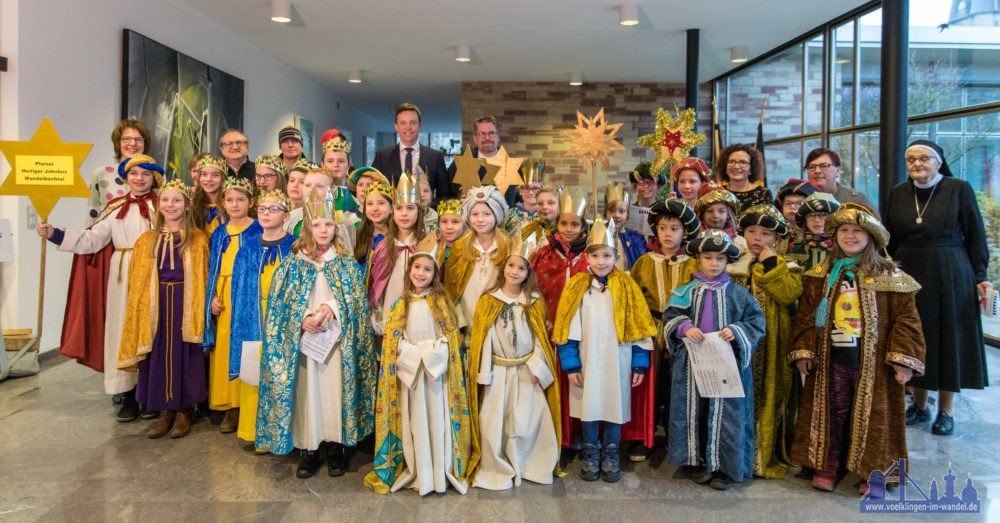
(532, 116)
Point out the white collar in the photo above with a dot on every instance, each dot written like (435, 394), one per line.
(934, 181)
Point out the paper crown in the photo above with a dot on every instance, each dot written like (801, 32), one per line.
(146, 162)
(213, 162)
(449, 207)
(816, 203)
(382, 188)
(602, 233)
(764, 215)
(524, 247)
(337, 145)
(862, 216)
(428, 246)
(238, 184)
(615, 192)
(575, 204)
(276, 196)
(303, 165)
(176, 185)
(407, 189)
(322, 206)
(272, 162)
(535, 171)
(717, 196)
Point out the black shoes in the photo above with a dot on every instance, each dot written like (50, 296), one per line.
(916, 415)
(720, 481)
(336, 460)
(129, 410)
(944, 425)
(610, 465)
(308, 464)
(689, 472)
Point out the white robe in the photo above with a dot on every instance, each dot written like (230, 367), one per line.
(518, 438)
(123, 234)
(607, 365)
(317, 413)
(422, 367)
(394, 287)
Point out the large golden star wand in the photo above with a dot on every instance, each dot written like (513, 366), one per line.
(593, 140)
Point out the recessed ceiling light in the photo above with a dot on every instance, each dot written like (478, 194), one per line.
(281, 11)
(738, 55)
(575, 79)
(463, 53)
(628, 14)
(354, 76)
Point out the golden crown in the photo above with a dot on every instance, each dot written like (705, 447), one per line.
(570, 203)
(213, 162)
(602, 234)
(615, 192)
(322, 206)
(303, 165)
(524, 247)
(177, 185)
(407, 190)
(239, 184)
(380, 188)
(276, 196)
(272, 162)
(449, 207)
(428, 245)
(337, 145)
(534, 172)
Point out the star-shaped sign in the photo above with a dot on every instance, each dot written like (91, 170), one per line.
(507, 166)
(673, 138)
(467, 169)
(45, 168)
(593, 139)
(491, 171)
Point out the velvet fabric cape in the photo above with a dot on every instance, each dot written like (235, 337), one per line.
(214, 267)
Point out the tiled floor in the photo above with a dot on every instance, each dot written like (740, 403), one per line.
(64, 458)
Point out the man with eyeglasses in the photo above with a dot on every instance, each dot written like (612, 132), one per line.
(235, 149)
(823, 170)
(486, 137)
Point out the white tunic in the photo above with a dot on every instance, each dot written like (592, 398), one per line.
(123, 234)
(318, 407)
(397, 278)
(607, 365)
(484, 275)
(422, 367)
(517, 435)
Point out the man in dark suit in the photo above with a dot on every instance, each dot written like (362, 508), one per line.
(409, 153)
(486, 136)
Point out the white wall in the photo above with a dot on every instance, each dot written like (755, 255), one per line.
(65, 62)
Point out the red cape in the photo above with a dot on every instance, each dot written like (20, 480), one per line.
(86, 302)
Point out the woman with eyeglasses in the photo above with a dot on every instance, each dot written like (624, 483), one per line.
(128, 138)
(742, 173)
(937, 236)
(823, 170)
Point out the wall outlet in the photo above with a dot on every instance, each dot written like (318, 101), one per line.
(31, 220)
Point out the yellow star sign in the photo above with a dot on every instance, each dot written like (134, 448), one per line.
(467, 169)
(673, 138)
(507, 166)
(593, 139)
(45, 168)
(491, 171)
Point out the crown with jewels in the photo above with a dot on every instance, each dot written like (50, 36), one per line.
(303, 165)
(378, 187)
(272, 162)
(615, 192)
(322, 206)
(177, 185)
(450, 207)
(407, 189)
(214, 162)
(428, 246)
(570, 203)
(276, 196)
(337, 145)
(602, 233)
(239, 184)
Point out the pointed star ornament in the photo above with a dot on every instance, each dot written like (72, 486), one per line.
(673, 138)
(491, 171)
(507, 166)
(467, 169)
(593, 139)
(45, 168)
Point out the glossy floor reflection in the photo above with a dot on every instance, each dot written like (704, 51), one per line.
(65, 458)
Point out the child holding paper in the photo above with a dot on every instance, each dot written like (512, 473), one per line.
(317, 305)
(711, 440)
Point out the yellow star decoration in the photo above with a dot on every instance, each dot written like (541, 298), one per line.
(673, 138)
(491, 171)
(508, 166)
(593, 139)
(467, 169)
(45, 168)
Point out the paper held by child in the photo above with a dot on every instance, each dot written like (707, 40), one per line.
(250, 363)
(318, 346)
(714, 366)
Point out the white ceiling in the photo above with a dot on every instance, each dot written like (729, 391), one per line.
(406, 48)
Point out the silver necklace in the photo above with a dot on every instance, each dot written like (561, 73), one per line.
(916, 205)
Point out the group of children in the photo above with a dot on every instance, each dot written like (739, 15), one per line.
(480, 350)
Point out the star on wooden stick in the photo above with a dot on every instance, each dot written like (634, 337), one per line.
(491, 171)
(467, 169)
(507, 166)
(673, 138)
(593, 139)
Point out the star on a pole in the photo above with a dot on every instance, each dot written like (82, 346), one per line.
(673, 138)
(45, 168)
(507, 166)
(467, 169)
(593, 139)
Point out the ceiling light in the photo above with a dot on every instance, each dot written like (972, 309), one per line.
(354, 76)
(575, 79)
(738, 55)
(463, 53)
(628, 14)
(281, 11)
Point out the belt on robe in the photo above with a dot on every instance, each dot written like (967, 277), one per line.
(500, 361)
(121, 260)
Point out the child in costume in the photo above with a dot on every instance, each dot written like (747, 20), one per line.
(776, 284)
(337, 160)
(645, 184)
(426, 196)
(376, 225)
(527, 208)
(691, 177)
(253, 271)
(360, 179)
(322, 180)
(631, 244)
(423, 435)
(206, 206)
(517, 422)
(293, 187)
(478, 255)
(658, 272)
(162, 336)
(451, 227)
(224, 392)
(546, 214)
(269, 173)
(858, 339)
(313, 401)
(602, 359)
(564, 254)
(390, 257)
(711, 440)
(718, 209)
(815, 245)
(789, 200)
(98, 287)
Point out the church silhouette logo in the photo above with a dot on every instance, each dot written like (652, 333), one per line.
(909, 497)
